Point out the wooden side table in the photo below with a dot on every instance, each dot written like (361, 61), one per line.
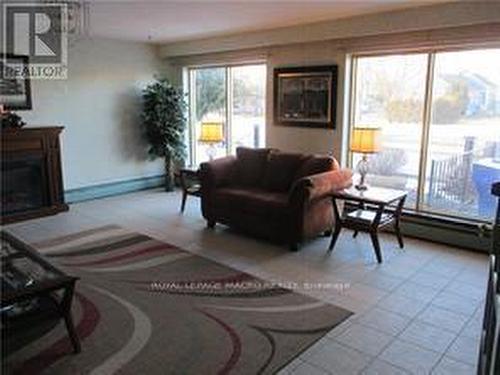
(190, 184)
(370, 215)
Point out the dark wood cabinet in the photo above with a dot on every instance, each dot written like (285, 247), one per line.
(32, 184)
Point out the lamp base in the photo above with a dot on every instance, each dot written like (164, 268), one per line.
(211, 151)
(361, 187)
(362, 168)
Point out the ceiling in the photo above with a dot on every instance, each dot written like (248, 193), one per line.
(163, 21)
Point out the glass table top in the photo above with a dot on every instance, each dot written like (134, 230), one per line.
(372, 194)
(22, 269)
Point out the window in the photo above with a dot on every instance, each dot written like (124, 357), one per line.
(232, 96)
(390, 95)
(440, 119)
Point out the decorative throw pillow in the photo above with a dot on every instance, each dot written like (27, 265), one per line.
(250, 165)
(280, 170)
(315, 164)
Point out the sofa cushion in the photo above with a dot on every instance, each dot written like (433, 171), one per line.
(280, 170)
(250, 165)
(315, 164)
(254, 201)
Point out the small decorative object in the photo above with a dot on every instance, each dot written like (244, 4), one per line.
(15, 89)
(305, 96)
(164, 120)
(211, 134)
(365, 141)
(10, 120)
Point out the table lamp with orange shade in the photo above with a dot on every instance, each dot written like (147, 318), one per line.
(364, 140)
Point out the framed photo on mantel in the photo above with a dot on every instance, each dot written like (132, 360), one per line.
(305, 96)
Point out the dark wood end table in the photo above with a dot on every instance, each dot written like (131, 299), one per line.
(370, 215)
(33, 289)
(190, 184)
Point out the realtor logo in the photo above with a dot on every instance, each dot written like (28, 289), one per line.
(38, 31)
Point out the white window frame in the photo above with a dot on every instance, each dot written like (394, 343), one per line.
(189, 86)
(426, 118)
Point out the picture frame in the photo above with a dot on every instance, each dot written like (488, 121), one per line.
(306, 96)
(15, 89)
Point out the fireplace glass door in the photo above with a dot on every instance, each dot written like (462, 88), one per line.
(23, 187)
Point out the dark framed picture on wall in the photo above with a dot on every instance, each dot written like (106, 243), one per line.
(305, 96)
(15, 88)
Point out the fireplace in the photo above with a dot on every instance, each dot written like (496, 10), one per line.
(31, 173)
(22, 185)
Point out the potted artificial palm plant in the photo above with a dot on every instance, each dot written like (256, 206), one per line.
(164, 120)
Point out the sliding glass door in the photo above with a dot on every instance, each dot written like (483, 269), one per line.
(248, 106)
(464, 134)
(231, 97)
(440, 120)
(209, 104)
(389, 95)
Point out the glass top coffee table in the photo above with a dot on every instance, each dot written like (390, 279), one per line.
(370, 213)
(33, 289)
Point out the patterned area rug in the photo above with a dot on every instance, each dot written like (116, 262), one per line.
(146, 307)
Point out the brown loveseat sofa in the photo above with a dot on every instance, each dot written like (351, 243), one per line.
(280, 196)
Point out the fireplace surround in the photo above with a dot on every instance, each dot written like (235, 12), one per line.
(31, 174)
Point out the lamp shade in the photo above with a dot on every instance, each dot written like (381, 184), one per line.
(365, 140)
(211, 132)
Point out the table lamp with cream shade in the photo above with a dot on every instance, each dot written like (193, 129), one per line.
(212, 133)
(364, 140)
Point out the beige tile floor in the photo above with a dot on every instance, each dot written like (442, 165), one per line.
(417, 313)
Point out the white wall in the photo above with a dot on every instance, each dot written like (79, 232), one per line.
(99, 107)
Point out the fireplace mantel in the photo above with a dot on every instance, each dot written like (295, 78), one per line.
(32, 183)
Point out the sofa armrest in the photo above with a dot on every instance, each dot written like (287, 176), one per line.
(213, 174)
(217, 172)
(319, 186)
(310, 205)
